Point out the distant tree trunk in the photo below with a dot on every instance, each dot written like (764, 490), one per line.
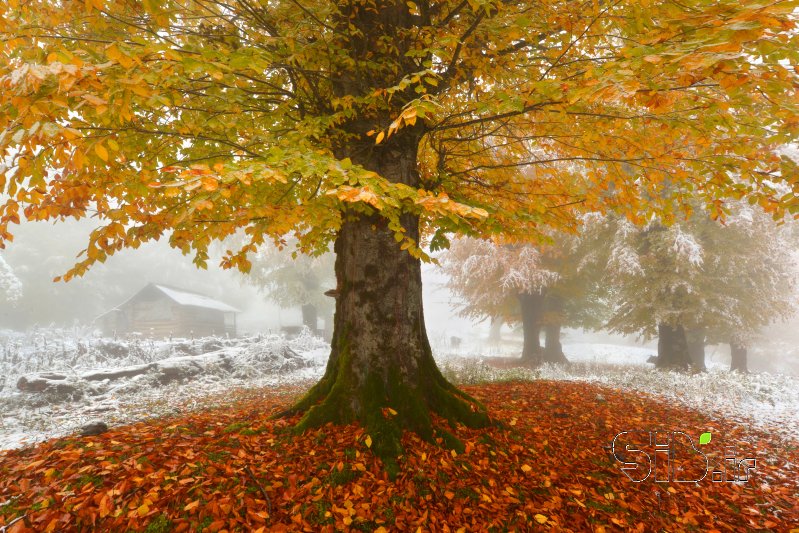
(495, 332)
(532, 308)
(553, 351)
(328, 332)
(309, 317)
(696, 347)
(738, 361)
(672, 347)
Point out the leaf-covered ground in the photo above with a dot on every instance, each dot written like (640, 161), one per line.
(235, 469)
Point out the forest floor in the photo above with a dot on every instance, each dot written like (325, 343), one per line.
(549, 467)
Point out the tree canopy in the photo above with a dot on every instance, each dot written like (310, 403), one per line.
(200, 118)
(727, 281)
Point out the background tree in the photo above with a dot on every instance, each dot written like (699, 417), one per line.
(501, 281)
(544, 287)
(700, 280)
(371, 124)
(755, 263)
(297, 282)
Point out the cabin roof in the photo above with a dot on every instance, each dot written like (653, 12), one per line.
(184, 297)
(180, 297)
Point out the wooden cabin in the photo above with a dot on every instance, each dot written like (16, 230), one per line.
(162, 311)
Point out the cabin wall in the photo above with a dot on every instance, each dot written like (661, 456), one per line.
(156, 316)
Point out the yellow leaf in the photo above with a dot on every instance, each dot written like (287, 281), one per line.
(100, 150)
(379, 137)
(392, 411)
(368, 441)
(192, 505)
(540, 518)
(143, 509)
(526, 468)
(94, 100)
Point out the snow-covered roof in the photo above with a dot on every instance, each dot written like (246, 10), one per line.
(194, 299)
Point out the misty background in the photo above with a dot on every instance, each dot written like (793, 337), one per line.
(42, 251)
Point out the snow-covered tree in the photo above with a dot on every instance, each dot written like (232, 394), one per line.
(543, 287)
(699, 280)
(10, 286)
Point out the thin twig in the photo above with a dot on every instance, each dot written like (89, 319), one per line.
(6, 527)
(261, 487)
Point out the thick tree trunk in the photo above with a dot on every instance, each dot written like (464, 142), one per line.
(309, 317)
(532, 309)
(672, 347)
(380, 355)
(696, 347)
(738, 357)
(553, 351)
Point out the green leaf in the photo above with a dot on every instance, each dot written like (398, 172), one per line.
(704, 438)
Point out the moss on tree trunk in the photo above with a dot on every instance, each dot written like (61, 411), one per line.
(380, 355)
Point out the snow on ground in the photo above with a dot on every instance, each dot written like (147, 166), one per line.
(183, 374)
(171, 377)
(768, 401)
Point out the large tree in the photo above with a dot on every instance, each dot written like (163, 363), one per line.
(373, 123)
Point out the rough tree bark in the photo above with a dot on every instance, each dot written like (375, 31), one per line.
(553, 351)
(696, 347)
(532, 309)
(738, 355)
(380, 354)
(672, 347)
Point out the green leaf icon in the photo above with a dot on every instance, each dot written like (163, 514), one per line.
(704, 438)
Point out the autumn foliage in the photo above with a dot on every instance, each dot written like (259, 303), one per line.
(236, 469)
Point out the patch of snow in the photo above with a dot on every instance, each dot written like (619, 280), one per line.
(123, 381)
